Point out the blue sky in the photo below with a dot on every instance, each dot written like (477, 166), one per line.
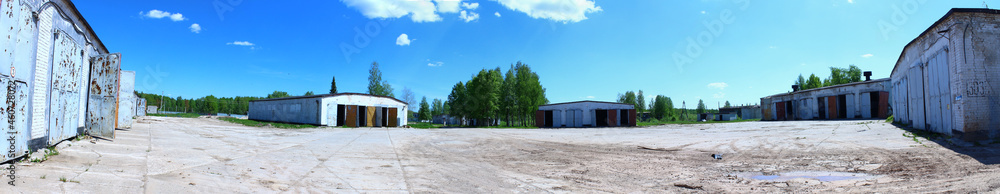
(582, 49)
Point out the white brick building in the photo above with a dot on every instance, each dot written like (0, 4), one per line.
(947, 79)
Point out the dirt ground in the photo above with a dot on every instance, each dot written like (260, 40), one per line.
(171, 155)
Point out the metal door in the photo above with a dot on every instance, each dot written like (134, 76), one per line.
(579, 118)
(351, 120)
(370, 116)
(102, 103)
(126, 99)
(831, 107)
(392, 117)
(571, 118)
(539, 118)
(780, 108)
(613, 118)
(64, 100)
(916, 96)
(866, 105)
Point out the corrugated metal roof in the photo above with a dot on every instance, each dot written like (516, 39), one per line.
(329, 95)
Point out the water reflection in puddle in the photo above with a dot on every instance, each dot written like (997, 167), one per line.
(816, 175)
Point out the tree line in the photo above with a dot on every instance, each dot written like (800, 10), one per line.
(662, 109)
(837, 76)
(492, 98)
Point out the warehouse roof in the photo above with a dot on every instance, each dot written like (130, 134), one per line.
(833, 86)
(943, 18)
(584, 102)
(330, 95)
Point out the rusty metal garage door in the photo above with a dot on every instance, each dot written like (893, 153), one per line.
(613, 118)
(392, 118)
(352, 116)
(64, 99)
(102, 103)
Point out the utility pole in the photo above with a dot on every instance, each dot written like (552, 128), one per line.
(161, 101)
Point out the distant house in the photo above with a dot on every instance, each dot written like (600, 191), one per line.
(585, 114)
(743, 112)
(863, 100)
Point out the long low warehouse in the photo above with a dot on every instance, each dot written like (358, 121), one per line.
(867, 99)
(585, 114)
(946, 80)
(342, 109)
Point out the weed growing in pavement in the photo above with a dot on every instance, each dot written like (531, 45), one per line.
(43, 177)
(62, 179)
(890, 119)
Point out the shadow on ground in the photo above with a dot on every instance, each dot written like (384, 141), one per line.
(986, 152)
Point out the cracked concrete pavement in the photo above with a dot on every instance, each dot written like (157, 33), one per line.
(205, 155)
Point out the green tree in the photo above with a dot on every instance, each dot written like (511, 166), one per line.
(701, 107)
(309, 93)
(425, 110)
(437, 107)
(726, 105)
(813, 82)
(456, 100)
(508, 97)
(529, 92)
(640, 101)
(211, 105)
(376, 86)
(854, 74)
(278, 94)
(801, 82)
(663, 108)
(333, 86)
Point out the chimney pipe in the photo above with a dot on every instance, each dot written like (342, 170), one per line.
(868, 76)
(795, 88)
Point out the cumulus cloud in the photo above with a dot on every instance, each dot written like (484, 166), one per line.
(867, 55)
(418, 10)
(403, 40)
(447, 6)
(718, 85)
(556, 10)
(195, 28)
(157, 14)
(497, 14)
(470, 6)
(468, 16)
(850, 1)
(435, 64)
(240, 43)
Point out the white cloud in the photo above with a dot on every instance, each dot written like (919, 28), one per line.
(590, 97)
(418, 10)
(497, 14)
(240, 43)
(703, 12)
(556, 10)
(403, 40)
(470, 6)
(718, 85)
(435, 64)
(468, 17)
(448, 6)
(195, 28)
(850, 1)
(157, 14)
(867, 55)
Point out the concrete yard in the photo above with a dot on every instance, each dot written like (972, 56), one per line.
(204, 155)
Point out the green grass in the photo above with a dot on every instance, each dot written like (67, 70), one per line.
(654, 123)
(253, 123)
(425, 125)
(182, 115)
(890, 119)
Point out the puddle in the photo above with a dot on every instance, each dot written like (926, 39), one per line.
(815, 175)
